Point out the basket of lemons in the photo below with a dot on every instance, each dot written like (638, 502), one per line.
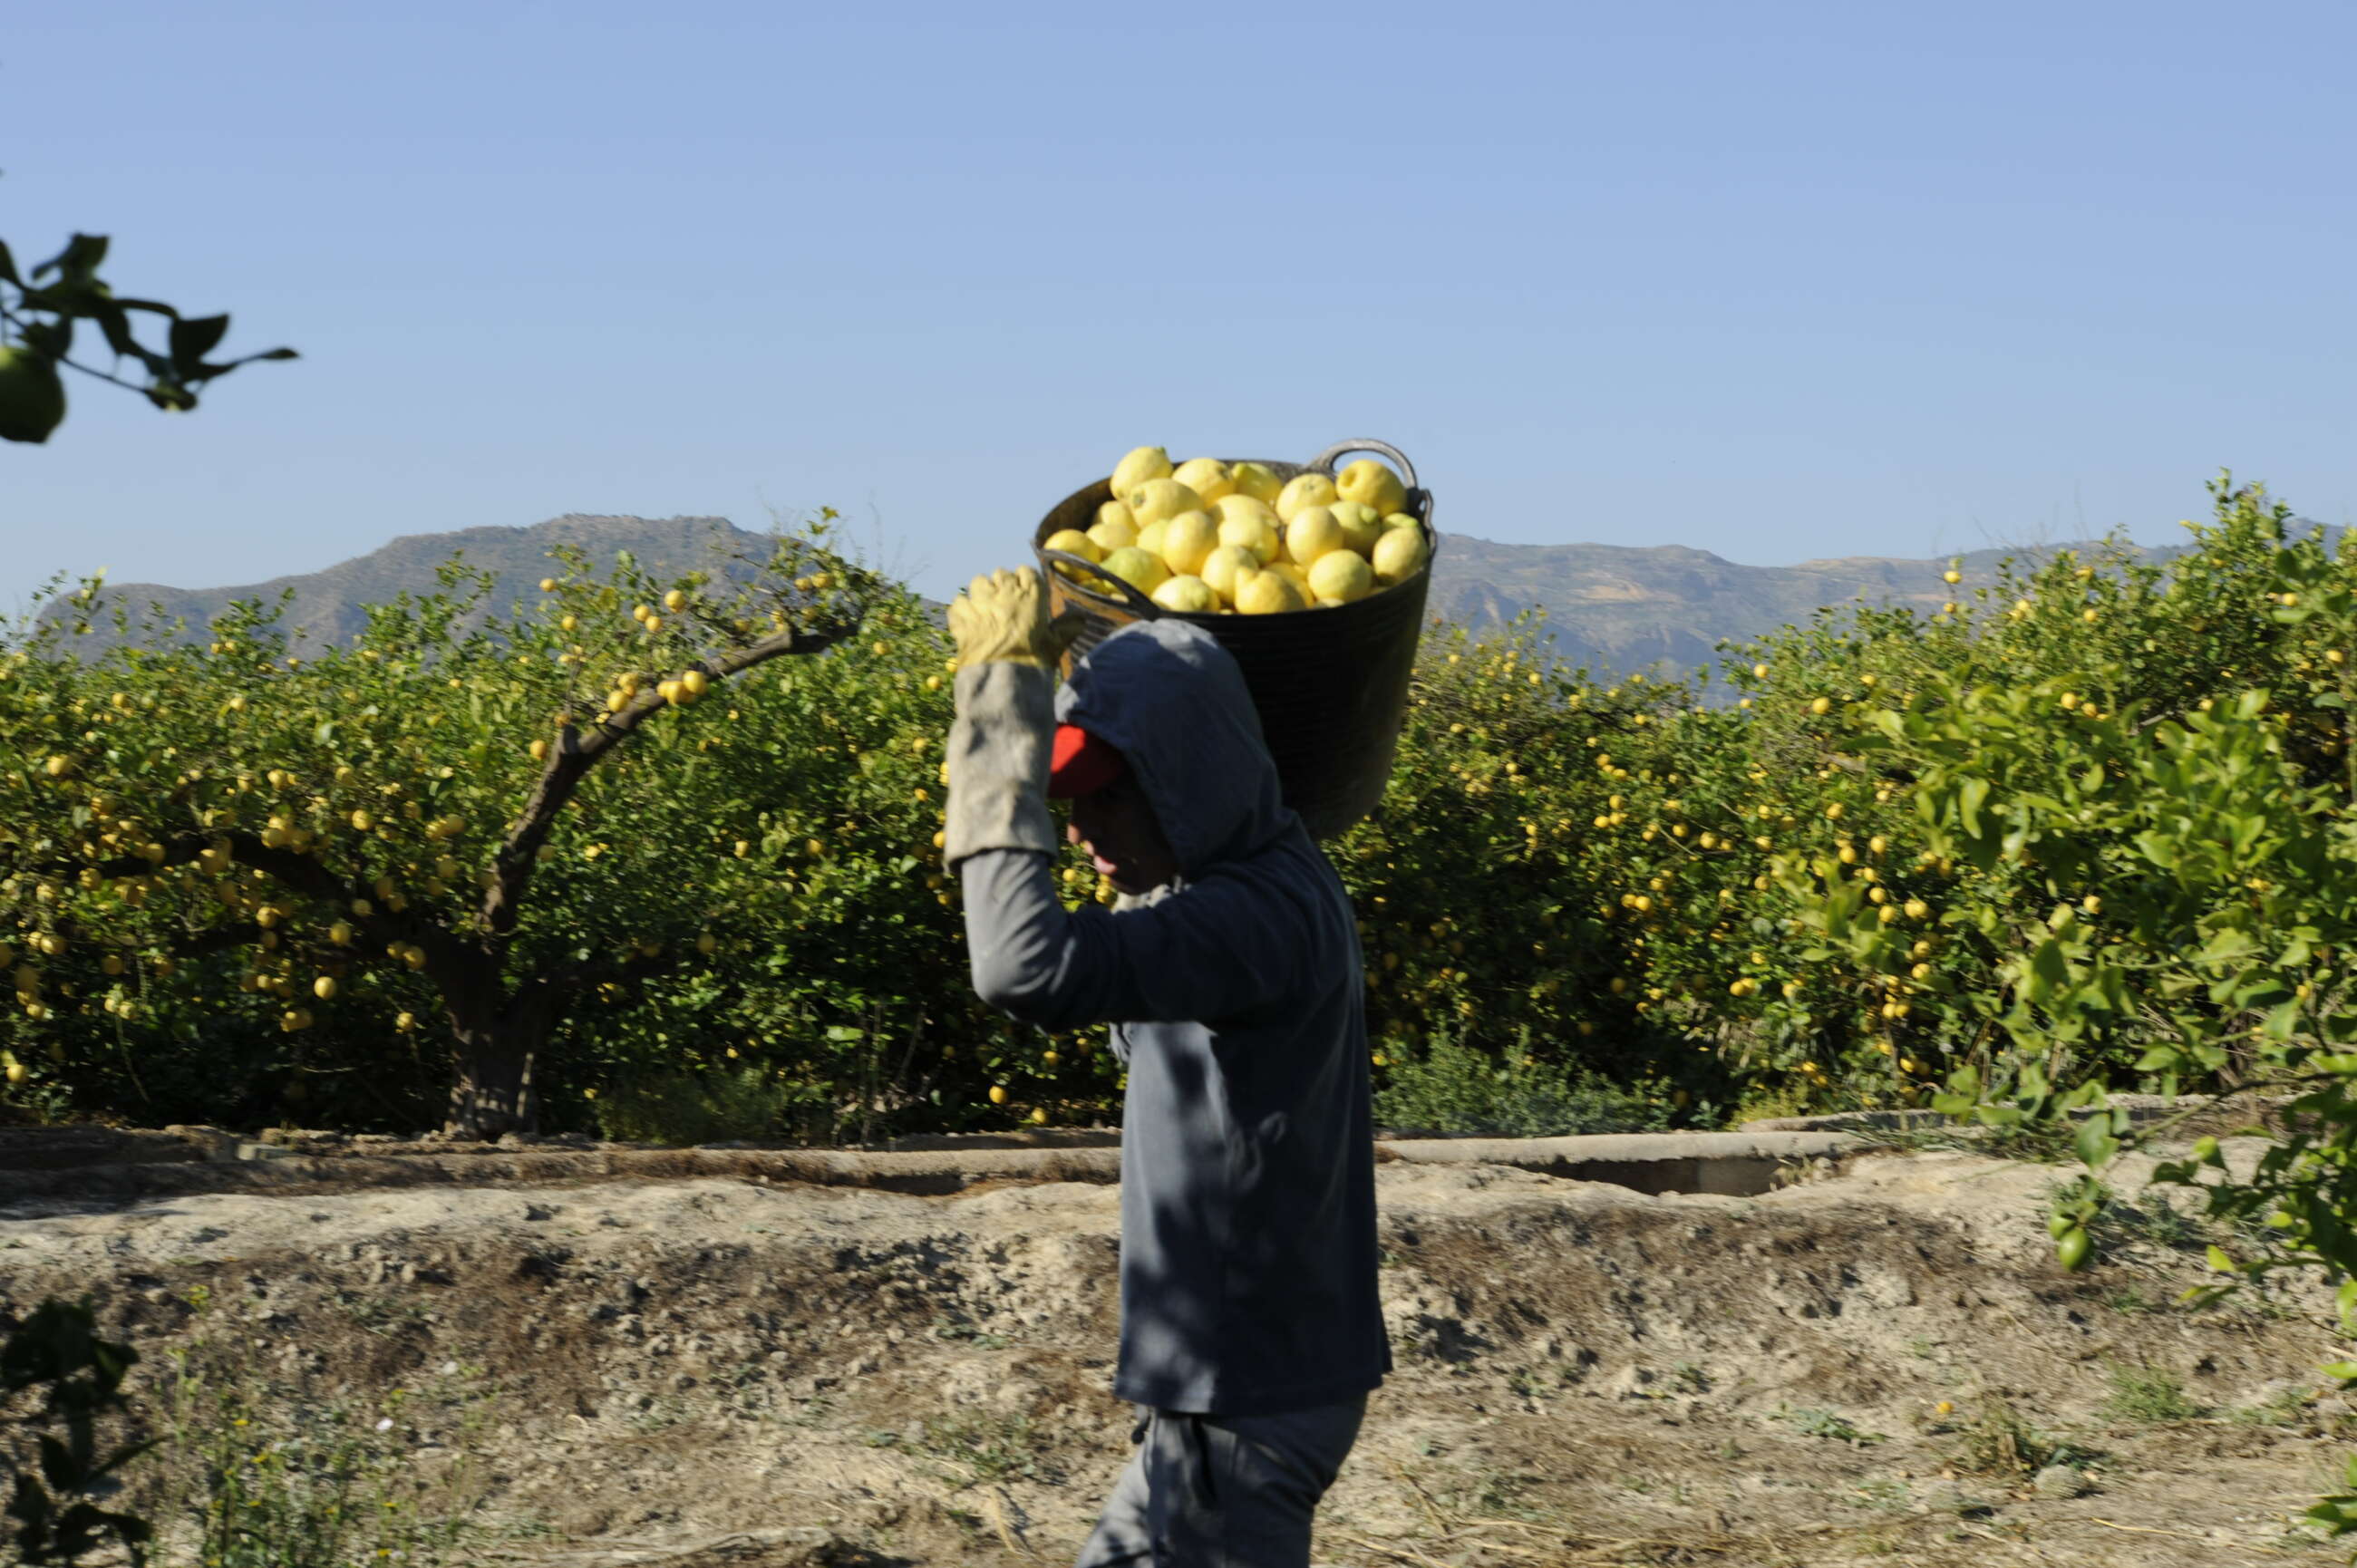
(1313, 578)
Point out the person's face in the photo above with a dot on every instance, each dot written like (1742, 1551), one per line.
(1117, 827)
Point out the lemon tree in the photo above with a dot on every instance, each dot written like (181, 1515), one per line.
(435, 830)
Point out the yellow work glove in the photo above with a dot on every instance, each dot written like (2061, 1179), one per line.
(1002, 618)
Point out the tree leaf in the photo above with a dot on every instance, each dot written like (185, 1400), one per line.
(193, 338)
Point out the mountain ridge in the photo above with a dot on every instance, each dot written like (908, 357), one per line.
(1615, 607)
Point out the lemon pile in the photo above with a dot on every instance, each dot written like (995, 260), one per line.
(1205, 537)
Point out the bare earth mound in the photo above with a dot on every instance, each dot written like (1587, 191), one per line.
(728, 1370)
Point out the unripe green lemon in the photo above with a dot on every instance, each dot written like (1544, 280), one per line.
(1361, 525)
(32, 398)
(1142, 570)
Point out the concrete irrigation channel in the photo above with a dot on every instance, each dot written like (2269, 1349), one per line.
(1785, 1344)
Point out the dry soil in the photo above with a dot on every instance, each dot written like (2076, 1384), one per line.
(708, 1369)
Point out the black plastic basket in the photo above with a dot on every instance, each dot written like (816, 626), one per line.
(1331, 681)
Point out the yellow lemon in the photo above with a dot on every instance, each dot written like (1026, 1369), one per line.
(1255, 534)
(1372, 483)
(1361, 525)
(1143, 464)
(1149, 538)
(1207, 476)
(324, 988)
(1115, 512)
(998, 1091)
(1237, 507)
(1158, 500)
(1109, 537)
(1187, 539)
(1223, 566)
(1142, 571)
(1294, 572)
(1072, 542)
(695, 683)
(1340, 576)
(1188, 595)
(1266, 592)
(1312, 489)
(1311, 532)
(1256, 481)
(1398, 556)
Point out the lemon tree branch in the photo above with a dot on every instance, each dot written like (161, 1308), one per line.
(576, 752)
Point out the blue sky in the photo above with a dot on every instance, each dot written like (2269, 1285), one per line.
(1776, 282)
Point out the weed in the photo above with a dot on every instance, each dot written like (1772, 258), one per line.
(1442, 1086)
(1826, 1424)
(1687, 1377)
(1998, 1441)
(384, 1315)
(267, 1481)
(2148, 1394)
(2131, 1300)
(1886, 1493)
(2285, 1407)
(953, 1327)
(679, 1108)
(1919, 1348)
(985, 1448)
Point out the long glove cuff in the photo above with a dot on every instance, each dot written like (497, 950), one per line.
(998, 761)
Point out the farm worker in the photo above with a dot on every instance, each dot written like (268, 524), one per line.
(1229, 968)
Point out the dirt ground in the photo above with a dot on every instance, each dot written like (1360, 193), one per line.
(706, 1370)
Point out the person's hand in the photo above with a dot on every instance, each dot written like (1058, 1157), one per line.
(1004, 617)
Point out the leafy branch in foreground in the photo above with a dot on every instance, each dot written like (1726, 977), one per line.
(38, 309)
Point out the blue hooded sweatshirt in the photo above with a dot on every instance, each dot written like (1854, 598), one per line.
(1248, 1280)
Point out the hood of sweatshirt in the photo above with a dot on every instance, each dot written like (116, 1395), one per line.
(1173, 701)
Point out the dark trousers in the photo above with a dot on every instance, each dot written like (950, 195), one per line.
(1222, 1491)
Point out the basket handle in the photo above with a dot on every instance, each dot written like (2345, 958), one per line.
(1325, 460)
(1124, 590)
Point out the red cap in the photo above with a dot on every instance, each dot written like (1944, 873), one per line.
(1082, 764)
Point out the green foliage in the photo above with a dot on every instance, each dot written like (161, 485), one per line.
(1896, 866)
(39, 309)
(2148, 1394)
(1814, 1423)
(679, 1108)
(982, 1449)
(56, 1350)
(1449, 1088)
(261, 1481)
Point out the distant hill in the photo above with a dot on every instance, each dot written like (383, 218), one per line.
(1614, 608)
(326, 607)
